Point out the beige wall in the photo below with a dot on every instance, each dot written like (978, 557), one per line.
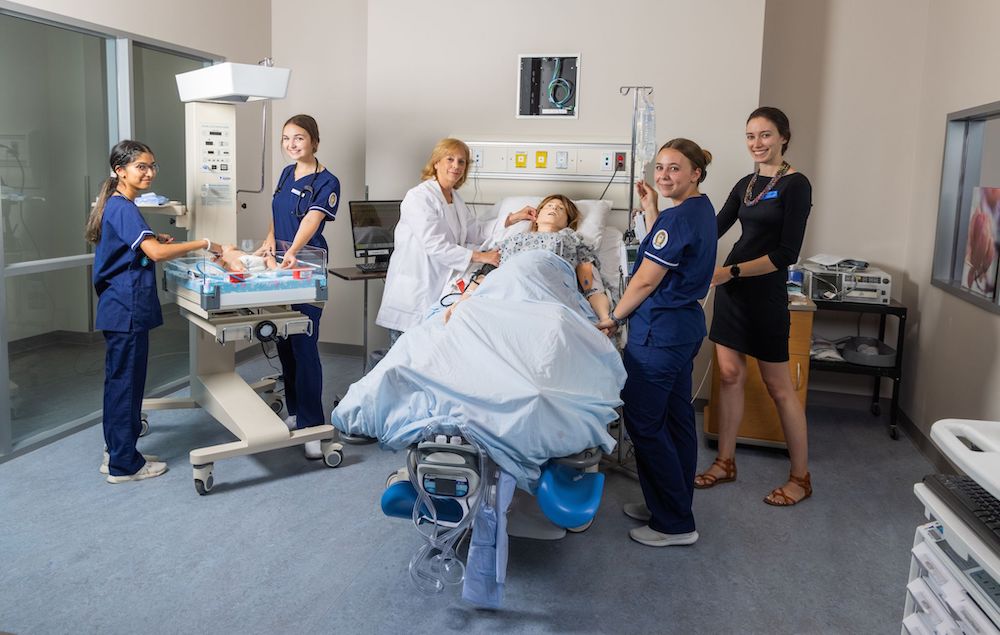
(849, 73)
(327, 56)
(868, 87)
(953, 371)
(705, 72)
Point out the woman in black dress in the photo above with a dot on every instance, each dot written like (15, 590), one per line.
(751, 302)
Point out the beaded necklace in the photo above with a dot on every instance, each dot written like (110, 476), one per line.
(750, 202)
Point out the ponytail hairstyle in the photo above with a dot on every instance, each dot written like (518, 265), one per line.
(124, 153)
(694, 153)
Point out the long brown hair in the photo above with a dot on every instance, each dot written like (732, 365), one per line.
(122, 154)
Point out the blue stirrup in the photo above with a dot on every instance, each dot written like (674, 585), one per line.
(568, 497)
(399, 498)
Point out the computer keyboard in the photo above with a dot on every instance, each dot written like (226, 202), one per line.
(974, 505)
(372, 267)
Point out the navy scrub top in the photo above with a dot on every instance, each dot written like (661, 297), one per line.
(124, 277)
(292, 201)
(683, 240)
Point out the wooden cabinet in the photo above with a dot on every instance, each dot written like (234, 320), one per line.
(760, 425)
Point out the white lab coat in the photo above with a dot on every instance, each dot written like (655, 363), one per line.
(433, 246)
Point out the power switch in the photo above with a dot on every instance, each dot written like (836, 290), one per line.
(619, 161)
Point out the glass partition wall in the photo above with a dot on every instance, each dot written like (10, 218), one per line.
(60, 111)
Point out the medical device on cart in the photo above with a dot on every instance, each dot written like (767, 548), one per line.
(226, 307)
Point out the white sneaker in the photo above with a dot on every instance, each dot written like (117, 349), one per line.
(313, 450)
(151, 469)
(651, 538)
(291, 422)
(638, 511)
(104, 464)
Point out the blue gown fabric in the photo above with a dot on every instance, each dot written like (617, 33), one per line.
(519, 368)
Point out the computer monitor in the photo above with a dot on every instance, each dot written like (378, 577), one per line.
(373, 224)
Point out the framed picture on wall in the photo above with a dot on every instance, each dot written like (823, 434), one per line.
(982, 247)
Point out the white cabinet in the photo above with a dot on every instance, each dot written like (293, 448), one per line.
(954, 584)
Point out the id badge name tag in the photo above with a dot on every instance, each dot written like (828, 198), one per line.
(297, 193)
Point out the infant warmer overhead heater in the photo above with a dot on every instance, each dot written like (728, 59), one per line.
(223, 306)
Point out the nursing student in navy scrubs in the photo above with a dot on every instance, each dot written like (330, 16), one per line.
(306, 197)
(666, 323)
(127, 304)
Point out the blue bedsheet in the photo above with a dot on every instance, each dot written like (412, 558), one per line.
(520, 368)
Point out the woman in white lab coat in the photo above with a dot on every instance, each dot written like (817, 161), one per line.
(435, 241)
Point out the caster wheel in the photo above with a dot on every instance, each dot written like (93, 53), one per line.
(204, 487)
(203, 479)
(581, 528)
(144, 430)
(277, 406)
(333, 459)
(876, 409)
(894, 433)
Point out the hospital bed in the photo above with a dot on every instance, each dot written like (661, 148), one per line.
(454, 470)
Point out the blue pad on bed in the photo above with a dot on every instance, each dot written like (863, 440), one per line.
(569, 497)
(399, 498)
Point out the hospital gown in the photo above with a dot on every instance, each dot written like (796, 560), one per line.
(519, 368)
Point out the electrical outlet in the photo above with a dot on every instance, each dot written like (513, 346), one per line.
(620, 161)
(607, 161)
(477, 158)
(562, 160)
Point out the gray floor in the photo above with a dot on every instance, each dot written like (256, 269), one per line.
(287, 545)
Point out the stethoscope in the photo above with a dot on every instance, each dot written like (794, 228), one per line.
(308, 189)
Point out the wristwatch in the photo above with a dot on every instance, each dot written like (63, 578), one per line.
(619, 322)
(734, 271)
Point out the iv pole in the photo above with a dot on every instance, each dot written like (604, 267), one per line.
(623, 91)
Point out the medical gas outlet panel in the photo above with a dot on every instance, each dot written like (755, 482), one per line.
(563, 161)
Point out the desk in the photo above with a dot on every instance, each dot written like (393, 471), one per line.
(895, 372)
(353, 273)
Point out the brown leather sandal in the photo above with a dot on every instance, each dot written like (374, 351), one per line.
(706, 479)
(779, 498)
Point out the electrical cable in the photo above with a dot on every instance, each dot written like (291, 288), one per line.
(610, 181)
(558, 82)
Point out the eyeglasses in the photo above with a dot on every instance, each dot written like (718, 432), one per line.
(146, 167)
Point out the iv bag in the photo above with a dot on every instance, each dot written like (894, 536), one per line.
(645, 130)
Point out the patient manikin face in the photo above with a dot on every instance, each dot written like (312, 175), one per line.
(553, 216)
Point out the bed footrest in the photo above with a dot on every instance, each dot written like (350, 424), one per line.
(569, 498)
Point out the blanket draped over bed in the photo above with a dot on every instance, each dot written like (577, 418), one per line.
(519, 368)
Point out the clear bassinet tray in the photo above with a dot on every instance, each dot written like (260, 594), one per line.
(241, 280)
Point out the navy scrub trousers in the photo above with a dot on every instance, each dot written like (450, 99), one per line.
(124, 382)
(660, 421)
(302, 371)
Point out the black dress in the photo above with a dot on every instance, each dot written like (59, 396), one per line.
(751, 313)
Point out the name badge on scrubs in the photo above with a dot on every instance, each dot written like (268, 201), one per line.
(768, 196)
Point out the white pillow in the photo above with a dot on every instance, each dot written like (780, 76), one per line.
(593, 218)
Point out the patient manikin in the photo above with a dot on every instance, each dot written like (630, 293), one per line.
(237, 260)
(554, 229)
